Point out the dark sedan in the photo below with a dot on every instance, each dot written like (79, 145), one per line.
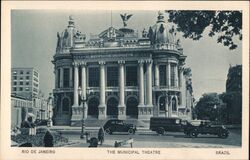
(116, 125)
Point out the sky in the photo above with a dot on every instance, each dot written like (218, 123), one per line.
(33, 44)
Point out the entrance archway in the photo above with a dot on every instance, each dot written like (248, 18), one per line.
(93, 104)
(132, 107)
(112, 107)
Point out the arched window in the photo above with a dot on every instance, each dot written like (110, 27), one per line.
(174, 108)
(65, 105)
(162, 104)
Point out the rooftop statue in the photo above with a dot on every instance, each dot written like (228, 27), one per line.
(125, 18)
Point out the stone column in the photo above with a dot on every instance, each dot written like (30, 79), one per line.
(141, 85)
(102, 106)
(169, 75)
(70, 77)
(149, 83)
(157, 79)
(84, 89)
(76, 85)
(61, 78)
(76, 116)
(121, 106)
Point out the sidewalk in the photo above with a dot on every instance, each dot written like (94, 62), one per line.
(149, 144)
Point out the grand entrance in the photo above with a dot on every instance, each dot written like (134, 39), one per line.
(132, 107)
(93, 104)
(112, 108)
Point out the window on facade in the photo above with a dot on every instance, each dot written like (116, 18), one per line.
(58, 77)
(94, 77)
(172, 75)
(21, 83)
(27, 77)
(162, 104)
(14, 72)
(131, 76)
(27, 89)
(35, 79)
(27, 83)
(174, 107)
(15, 77)
(21, 89)
(21, 78)
(14, 89)
(21, 72)
(27, 72)
(65, 105)
(163, 73)
(112, 76)
(15, 83)
(66, 77)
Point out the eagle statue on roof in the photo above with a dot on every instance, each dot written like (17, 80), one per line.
(125, 17)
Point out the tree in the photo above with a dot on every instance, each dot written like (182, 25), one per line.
(208, 107)
(227, 24)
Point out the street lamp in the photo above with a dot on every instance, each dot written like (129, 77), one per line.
(49, 108)
(84, 100)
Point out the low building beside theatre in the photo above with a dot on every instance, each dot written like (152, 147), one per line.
(120, 74)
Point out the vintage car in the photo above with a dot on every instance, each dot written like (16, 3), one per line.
(194, 128)
(162, 125)
(116, 125)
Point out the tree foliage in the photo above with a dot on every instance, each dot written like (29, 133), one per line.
(227, 25)
(207, 106)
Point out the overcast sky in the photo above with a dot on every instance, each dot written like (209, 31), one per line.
(33, 44)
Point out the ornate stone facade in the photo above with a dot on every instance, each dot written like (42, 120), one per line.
(120, 74)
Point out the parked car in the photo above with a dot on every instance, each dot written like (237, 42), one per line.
(41, 122)
(116, 125)
(166, 124)
(194, 128)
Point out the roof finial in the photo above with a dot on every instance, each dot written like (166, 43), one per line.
(160, 17)
(71, 21)
(125, 17)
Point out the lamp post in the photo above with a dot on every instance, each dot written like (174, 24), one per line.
(84, 100)
(49, 108)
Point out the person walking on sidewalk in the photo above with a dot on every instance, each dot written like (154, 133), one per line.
(101, 135)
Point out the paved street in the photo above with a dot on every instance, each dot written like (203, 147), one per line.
(147, 138)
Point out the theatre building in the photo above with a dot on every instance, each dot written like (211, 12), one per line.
(120, 74)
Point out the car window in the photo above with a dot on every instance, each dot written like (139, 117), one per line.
(177, 121)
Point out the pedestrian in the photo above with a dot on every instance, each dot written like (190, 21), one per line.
(101, 135)
(48, 139)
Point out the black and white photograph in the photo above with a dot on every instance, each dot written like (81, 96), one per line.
(132, 83)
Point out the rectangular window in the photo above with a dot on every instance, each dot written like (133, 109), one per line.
(21, 89)
(21, 78)
(15, 77)
(58, 77)
(66, 77)
(27, 89)
(27, 83)
(27, 77)
(14, 89)
(21, 72)
(27, 72)
(15, 83)
(94, 77)
(14, 72)
(21, 83)
(172, 75)
(131, 76)
(163, 74)
(112, 76)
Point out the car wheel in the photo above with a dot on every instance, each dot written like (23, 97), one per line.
(107, 131)
(131, 131)
(223, 135)
(160, 131)
(193, 134)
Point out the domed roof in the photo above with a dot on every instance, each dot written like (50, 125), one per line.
(160, 32)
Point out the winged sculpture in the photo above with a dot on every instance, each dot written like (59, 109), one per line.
(125, 17)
